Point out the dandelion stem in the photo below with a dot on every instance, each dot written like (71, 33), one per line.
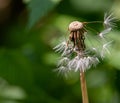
(83, 88)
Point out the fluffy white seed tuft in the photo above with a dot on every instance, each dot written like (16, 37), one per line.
(102, 34)
(109, 20)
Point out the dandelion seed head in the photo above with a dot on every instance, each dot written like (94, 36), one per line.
(75, 56)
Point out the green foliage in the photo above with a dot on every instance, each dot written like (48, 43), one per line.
(27, 60)
(39, 9)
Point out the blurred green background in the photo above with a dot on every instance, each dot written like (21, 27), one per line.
(29, 29)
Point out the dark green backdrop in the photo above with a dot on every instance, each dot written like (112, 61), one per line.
(27, 60)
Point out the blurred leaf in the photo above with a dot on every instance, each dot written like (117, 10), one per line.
(15, 67)
(116, 9)
(26, 1)
(99, 75)
(87, 5)
(63, 19)
(13, 92)
(40, 8)
(115, 50)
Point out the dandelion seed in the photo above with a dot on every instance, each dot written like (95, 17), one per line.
(60, 47)
(62, 70)
(72, 63)
(109, 20)
(64, 61)
(105, 49)
(87, 63)
(78, 65)
(102, 34)
(67, 51)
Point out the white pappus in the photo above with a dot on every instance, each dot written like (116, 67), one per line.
(73, 55)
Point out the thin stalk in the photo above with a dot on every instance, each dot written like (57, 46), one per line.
(92, 22)
(83, 88)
